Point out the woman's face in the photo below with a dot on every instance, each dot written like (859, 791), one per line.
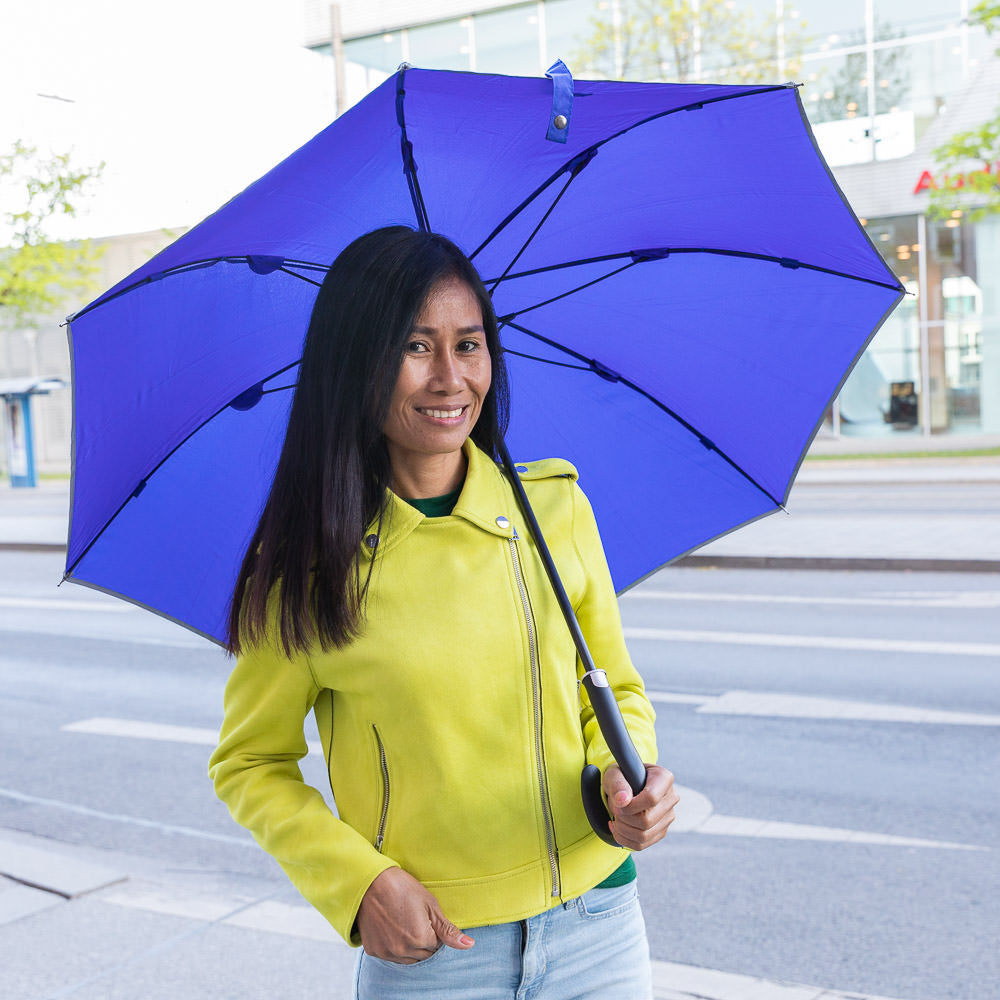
(445, 376)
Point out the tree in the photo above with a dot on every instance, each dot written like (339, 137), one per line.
(36, 271)
(959, 185)
(685, 40)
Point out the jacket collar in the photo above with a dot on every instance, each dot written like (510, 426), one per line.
(486, 501)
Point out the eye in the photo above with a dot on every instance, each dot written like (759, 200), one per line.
(416, 347)
(468, 346)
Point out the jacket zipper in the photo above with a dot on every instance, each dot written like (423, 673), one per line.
(536, 697)
(384, 764)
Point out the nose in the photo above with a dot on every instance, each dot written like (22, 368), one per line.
(445, 377)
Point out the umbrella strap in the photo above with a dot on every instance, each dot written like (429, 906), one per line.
(562, 101)
(602, 698)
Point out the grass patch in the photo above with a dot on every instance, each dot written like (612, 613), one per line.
(882, 456)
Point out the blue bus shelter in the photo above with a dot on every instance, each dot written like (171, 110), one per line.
(18, 435)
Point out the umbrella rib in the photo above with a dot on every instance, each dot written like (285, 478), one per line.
(195, 265)
(571, 291)
(661, 253)
(581, 159)
(301, 277)
(608, 374)
(406, 149)
(534, 232)
(145, 479)
(546, 361)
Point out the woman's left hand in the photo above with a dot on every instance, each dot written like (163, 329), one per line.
(639, 821)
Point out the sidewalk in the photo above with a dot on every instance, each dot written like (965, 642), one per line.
(856, 513)
(99, 925)
(818, 532)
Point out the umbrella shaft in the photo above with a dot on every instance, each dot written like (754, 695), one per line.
(602, 698)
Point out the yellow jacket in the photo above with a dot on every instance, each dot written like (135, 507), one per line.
(453, 729)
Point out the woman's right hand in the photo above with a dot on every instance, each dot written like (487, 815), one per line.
(400, 921)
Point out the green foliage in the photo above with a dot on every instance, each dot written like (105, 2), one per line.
(37, 273)
(987, 14)
(884, 456)
(970, 161)
(681, 40)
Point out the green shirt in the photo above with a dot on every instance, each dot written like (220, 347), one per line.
(436, 506)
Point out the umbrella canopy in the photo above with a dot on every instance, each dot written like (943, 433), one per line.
(681, 285)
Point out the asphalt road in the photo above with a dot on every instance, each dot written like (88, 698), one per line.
(894, 675)
(823, 723)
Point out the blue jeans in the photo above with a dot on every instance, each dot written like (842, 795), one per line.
(591, 948)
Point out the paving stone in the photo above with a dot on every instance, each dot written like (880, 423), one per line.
(54, 871)
(17, 901)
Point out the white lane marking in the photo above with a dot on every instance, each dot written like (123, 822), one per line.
(695, 814)
(673, 981)
(816, 641)
(55, 604)
(804, 707)
(138, 730)
(79, 631)
(680, 699)
(741, 826)
(901, 599)
(144, 730)
(795, 706)
(184, 831)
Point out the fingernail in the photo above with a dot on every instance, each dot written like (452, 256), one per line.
(622, 799)
(465, 939)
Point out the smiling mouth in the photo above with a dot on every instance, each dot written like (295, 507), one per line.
(442, 414)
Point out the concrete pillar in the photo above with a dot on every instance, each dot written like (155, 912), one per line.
(988, 266)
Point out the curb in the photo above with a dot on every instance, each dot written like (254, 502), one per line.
(889, 564)
(32, 547)
(884, 564)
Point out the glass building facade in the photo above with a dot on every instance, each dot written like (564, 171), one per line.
(880, 81)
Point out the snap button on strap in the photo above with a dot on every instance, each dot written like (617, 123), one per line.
(562, 101)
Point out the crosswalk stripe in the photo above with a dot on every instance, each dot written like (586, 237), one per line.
(136, 729)
(974, 599)
(815, 641)
(794, 706)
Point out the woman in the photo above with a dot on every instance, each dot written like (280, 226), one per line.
(392, 589)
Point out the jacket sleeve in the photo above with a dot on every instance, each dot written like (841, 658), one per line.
(600, 622)
(255, 771)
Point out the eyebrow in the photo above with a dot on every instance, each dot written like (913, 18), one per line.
(461, 330)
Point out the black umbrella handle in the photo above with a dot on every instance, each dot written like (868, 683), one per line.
(602, 698)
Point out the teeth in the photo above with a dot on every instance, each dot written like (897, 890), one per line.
(442, 414)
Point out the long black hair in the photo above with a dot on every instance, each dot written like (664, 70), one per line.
(334, 468)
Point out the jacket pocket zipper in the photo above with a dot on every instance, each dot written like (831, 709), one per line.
(384, 765)
(536, 699)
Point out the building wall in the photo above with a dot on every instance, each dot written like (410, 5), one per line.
(988, 255)
(370, 17)
(43, 349)
(853, 58)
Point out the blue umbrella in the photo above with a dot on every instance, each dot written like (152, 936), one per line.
(681, 285)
